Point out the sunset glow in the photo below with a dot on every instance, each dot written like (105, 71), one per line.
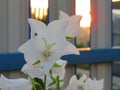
(115, 0)
(83, 8)
(39, 9)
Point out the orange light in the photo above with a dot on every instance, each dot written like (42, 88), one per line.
(115, 0)
(83, 8)
(39, 9)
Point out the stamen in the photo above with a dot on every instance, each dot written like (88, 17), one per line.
(46, 53)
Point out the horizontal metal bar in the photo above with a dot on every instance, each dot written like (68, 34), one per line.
(15, 61)
(94, 56)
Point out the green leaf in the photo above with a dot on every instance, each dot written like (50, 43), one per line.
(78, 76)
(37, 62)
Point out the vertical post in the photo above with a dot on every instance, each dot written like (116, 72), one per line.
(52, 10)
(3, 26)
(13, 27)
(55, 6)
(13, 24)
(101, 38)
(17, 23)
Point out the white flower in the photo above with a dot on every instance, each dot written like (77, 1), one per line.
(85, 83)
(14, 84)
(59, 71)
(35, 71)
(94, 84)
(49, 46)
(73, 27)
(76, 84)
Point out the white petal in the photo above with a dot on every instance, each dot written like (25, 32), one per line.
(63, 15)
(33, 47)
(94, 84)
(36, 27)
(56, 31)
(47, 65)
(70, 49)
(33, 71)
(59, 71)
(30, 59)
(13, 84)
(74, 83)
(73, 27)
(62, 63)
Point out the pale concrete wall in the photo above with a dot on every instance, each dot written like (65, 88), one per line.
(67, 6)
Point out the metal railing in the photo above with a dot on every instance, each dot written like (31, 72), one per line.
(15, 61)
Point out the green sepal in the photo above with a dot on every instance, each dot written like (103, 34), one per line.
(69, 38)
(56, 65)
(78, 76)
(37, 62)
(85, 81)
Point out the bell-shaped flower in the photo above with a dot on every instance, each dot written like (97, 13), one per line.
(58, 69)
(76, 84)
(14, 84)
(35, 71)
(85, 83)
(49, 46)
(73, 28)
(94, 84)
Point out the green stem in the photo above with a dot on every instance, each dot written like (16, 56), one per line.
(45, 82)
(57, 83)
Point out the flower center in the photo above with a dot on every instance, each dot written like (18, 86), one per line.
(46, 53)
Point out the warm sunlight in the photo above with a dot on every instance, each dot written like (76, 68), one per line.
(39, 9)
(115, 0)
(83, 8)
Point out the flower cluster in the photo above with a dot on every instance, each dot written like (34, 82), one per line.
(44, 67)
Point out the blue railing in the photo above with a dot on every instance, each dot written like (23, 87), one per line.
(15, 61)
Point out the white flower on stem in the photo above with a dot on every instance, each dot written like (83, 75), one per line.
(85, 83)
(14, 84)
(58, 69)
(73, 28)
(94, 84)
(35, 71)
(49, 46)
(76, 84)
